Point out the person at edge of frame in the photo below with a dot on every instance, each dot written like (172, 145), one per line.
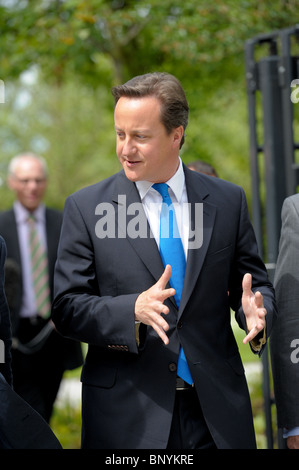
(40, 355)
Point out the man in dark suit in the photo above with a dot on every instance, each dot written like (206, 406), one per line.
(112, 290)
(285, 337)
(39, 354)
(5, 327)
(20, 426)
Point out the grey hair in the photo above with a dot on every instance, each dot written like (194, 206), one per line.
(18, 158)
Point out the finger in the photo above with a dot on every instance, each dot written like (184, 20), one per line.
(164, 279)
(259, 326)
(160, 330)
(162, 334)
(262, 312)
(247, 284)
(162, 309)
(155, 316)
(162, 324)
(252, 334)
(166, 293)
(261, 322)
(259, 301)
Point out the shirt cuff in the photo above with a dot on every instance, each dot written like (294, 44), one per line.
(137, 326)
(291, 432)
(257, 342)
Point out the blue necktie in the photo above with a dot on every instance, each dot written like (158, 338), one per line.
(172, 252)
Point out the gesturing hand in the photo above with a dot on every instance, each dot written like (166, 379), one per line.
(253, 308)
(150, 304)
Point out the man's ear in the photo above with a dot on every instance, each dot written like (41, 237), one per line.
(177, 136)
(10, 182)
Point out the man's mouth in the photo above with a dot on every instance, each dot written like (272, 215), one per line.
(131, 163)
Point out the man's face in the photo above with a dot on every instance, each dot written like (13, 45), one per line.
(143, 147)
(29, 183)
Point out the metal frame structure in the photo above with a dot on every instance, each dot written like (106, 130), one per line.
(271, 69)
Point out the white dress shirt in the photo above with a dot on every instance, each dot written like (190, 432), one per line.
(152, 203)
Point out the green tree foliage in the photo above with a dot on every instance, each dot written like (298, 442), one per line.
(107, 40)
(80, 48)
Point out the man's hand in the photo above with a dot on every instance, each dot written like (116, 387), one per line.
(150, 304)
(253, 308)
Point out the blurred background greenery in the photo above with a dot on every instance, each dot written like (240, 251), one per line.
(60, 58)
(58, 62)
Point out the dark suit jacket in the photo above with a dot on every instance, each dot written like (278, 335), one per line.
(129, 391)
(21, 427)
(285, 336)
(72, 355)
(5, 327)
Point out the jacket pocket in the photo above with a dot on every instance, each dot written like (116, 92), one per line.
(98, 375)
(219, 255)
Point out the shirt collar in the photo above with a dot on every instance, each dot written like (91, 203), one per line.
(176, 183)
(22, 213)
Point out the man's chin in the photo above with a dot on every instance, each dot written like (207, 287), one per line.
(31, 206)
(132, 176)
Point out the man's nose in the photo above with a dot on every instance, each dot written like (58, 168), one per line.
(128, 146)
(32, 183)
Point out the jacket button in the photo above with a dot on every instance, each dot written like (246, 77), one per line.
(172, 367)
(180, 324)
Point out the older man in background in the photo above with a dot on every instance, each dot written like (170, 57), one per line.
(31, 232)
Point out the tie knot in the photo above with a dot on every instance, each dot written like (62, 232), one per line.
(31, 219)
(162, 188)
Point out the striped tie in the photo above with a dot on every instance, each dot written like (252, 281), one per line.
(40, 276)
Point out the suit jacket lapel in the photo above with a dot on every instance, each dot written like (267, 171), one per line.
(51, 232)
(13, 241)
(196, 256)
(129, 206)
(126, 195)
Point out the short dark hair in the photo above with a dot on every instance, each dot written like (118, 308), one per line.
(167, 89)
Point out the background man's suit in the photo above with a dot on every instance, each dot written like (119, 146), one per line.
(285, 336)
(57, 354)
(5, 326)
(129, 390)
(21, 427)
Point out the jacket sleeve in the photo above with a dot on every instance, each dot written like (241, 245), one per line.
(248, 260)
(79, 309)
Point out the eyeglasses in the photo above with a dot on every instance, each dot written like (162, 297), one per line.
(26, 181)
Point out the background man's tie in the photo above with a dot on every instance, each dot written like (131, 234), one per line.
(172, 252)
(40, 275)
